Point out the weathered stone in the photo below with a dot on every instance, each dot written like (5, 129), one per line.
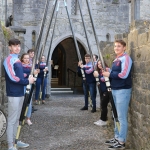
(142, 39)
(108, 18)
(138, 48)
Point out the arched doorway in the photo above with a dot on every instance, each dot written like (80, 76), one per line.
(59, 64)
(64, 57)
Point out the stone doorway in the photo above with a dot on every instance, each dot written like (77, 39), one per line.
(64, 57)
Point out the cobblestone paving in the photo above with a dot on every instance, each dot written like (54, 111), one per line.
(61, 125)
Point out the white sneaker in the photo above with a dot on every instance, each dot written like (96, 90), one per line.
(100, 123)
(21, 144)
(28, 121)
(97, 122)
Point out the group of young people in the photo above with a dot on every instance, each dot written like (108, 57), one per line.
(121, 86)
(17, 75)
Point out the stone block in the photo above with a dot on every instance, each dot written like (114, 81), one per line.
(107, 1)
(149, 36)
(144, 53)
(136, 67)
(147, 97)
(118, 36)
(144, 110)
(144, 84)
(133, 39)
(115, 2)
(135, 108)
(142, 39)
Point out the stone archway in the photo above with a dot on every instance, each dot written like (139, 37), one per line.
(58, 40)
(63, 41)
(65, 57)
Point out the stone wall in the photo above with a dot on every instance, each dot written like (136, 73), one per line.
(144, 6)
(5, 14)
(2, 10)
(109, 17)
(3, 100)
(139, 10)
(138, 46)
(5, 35)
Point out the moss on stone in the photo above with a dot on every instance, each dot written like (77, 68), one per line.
(7, 32)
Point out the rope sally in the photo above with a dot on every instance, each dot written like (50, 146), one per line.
(75, 42)
(103, 64)
(28, 88)
(49, 26)
(49, 51)
(85, 30)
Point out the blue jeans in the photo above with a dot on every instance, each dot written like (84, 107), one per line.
(121, 99)
(92, 88)
(29, 110)
(38, 88)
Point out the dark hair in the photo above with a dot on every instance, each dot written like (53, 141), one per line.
(21, 59)
(14, 42)
(121, 42)
(98, 69)
(87, 55)
(95, 56)
(30, 51)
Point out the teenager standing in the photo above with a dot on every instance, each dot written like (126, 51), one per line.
(15, 83)
(89, 84)
(120, 77)
(104, 95)
(40, 80)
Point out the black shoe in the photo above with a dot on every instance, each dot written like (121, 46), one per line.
(43, 102)
(84, 108)
(111, 142)
(93, 110)
(34, 109)
(117, 146)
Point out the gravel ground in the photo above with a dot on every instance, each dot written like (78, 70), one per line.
(61, 125)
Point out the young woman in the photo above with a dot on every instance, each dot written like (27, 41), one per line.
(26, 70)
(39, 81)
(104, 96)
(120, 76)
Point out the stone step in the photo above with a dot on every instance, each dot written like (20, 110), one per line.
(60, 89)
(61, 92)
(54, 79)
(54, 82)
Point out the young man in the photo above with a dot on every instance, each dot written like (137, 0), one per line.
(31, 54)
(89, 84)
(95, 58)
(121, 83)
(15, 83)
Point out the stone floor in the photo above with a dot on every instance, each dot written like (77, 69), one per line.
(61, 125)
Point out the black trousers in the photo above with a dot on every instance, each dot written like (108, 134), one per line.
(104, 104)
